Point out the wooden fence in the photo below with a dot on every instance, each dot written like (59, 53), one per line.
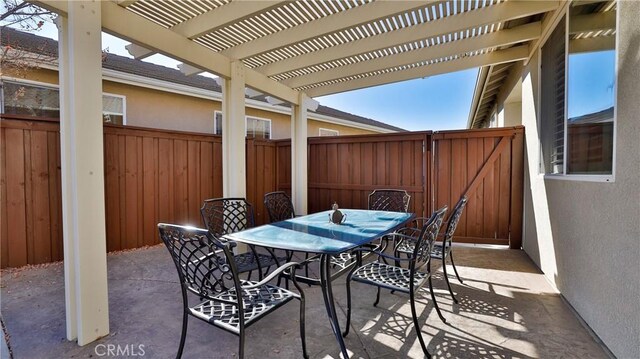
(346, 169)
(154, 176)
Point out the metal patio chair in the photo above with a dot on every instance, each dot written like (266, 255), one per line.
(393, 200)
(443, 249)
(228, 215)
(406, 280)
(207, 271)
(280, 208)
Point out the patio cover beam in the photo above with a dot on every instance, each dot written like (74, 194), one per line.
(504, 11)
(222, 16)
(495, 39)
(492, 58)
(323, 26)
(138, 52)
(601, 21)
(127, 25)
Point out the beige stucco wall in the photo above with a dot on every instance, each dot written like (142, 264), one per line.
(147, 107)
(585, 236)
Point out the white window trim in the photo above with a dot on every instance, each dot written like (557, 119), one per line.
(124, 107)
(215, 127)
(578, 177)
(246, 120)
(57, 87)
(337, 133)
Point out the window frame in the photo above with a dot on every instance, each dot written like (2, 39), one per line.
(606, 178)
(215, 127)
(56, 87)
(13, 80)
(246, 125)
(337, 133)
(246, 121)
(124, 106)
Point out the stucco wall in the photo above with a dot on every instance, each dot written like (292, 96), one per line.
(585, 236)
(165, 110)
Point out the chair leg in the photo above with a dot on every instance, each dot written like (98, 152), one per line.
(377, 297)
(348, 325)
(446, 279)
(414, 314)
(454, 266)
(183, 336)
(249, 275)
(302, 328)
(435, 303)
(241, 344)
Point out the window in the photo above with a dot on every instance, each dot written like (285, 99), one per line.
(217, 123)
(255, 127)
(577, 93)
(113, 109)
(37, 101)
(328, 132)
(44, 101)
(258, 127)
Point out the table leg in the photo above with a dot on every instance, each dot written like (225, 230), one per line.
(327, 293)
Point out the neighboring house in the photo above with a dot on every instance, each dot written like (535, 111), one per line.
(578, 100)
(138, 93)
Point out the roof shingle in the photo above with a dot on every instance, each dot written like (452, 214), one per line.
(37, 44)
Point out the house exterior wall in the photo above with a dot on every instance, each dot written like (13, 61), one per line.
(152, 108)
(512, 113)
(585, 236)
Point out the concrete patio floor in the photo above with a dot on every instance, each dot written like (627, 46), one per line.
(507, 310)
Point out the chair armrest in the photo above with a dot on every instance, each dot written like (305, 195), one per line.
(370, 250)
(273, 275)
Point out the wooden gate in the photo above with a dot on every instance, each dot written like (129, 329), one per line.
(487, 166)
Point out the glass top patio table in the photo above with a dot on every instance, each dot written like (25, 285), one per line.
(314, 233)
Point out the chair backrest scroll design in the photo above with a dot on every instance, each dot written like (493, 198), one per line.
(393, 200)
(226, 215)
(279, 206)
(422, 250)
(205, 265)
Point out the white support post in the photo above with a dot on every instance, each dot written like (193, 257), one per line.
(299, 153)
(83, 203)
(234, 167)
(234, 183)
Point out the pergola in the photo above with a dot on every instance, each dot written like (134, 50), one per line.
(289, 50)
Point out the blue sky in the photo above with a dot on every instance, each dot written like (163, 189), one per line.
(591, 82)
(433, 103)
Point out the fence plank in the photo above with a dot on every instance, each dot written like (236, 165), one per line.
(4, 234)
(16, 203)
(40, 199)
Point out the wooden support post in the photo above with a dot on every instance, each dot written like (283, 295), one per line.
(299, 154)
(83, 203)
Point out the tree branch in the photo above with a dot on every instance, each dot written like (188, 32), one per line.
(13, 11)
